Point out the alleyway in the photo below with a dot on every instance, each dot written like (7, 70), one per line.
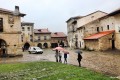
(106, 62)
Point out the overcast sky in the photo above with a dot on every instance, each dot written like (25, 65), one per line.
(53, 14)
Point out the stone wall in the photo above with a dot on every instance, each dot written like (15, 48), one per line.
(105, 42)
(11, 33)
(91, 17)
(117, 30)
(42, 41)
(92, 44)
(117, 41)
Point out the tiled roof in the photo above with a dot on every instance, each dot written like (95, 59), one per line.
(117, 11)
(99, 35)
(58, 34)
(76, 17)
(37, 31)
(26, 23)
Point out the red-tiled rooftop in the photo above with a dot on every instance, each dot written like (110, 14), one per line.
(58, 34)
(99, 35)
(37, 31)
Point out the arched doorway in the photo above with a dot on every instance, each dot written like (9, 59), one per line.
(39, 45)
(53, 45)
(61, 44)
(45, 45)
(26, 46)
(3, 48)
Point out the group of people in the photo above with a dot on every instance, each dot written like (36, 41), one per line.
(58, 56)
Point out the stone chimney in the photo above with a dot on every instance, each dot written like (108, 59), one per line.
(16, 12)
(39, 30)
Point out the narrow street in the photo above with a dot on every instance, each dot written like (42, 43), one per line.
(105, 62)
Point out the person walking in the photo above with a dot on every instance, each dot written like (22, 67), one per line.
(56, 55)
(65, 58)
(79, 59)
(60, 56)
(23, 49)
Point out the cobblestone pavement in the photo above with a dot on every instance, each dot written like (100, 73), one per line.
(106, 62)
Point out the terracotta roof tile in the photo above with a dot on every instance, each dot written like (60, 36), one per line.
(99, 35)
(58, 34)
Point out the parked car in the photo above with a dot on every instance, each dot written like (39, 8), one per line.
(35, 50)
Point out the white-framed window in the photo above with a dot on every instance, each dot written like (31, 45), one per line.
(45, 37)
(23, 29)
(28, 28)
(38, 37)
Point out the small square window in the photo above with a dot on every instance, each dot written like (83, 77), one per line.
(28, 28)
(23, 29)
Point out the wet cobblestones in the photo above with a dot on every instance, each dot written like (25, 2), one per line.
(106, 62)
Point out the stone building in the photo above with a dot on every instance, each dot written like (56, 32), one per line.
(100, 41)
(76, 28)
(10, 31)
(42, 38)
(105, 24)
(72, 31)
(83, 30)
(58, 39)
(27, 36)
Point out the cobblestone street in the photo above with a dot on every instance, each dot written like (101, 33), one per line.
(106, 62)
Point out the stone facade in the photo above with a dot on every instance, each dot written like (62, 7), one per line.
(58, 39)
(72, 31)
(117, 30)
(10, 31)
(86, 26)
(108, 22)
(27, 36)
(100, 44)
(42, 38)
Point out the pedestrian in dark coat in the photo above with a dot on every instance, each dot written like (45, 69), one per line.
(23, 49)
(56, 55)
(79, 59)
(65, 58)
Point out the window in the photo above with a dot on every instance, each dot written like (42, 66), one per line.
(102, 28)
(119, 29)
(1, 24)
(22, 38)
(39, 38)
(23, 29)
(44, 37)
(108, 27)
(28, 28)
(97, 29)
(31, 38)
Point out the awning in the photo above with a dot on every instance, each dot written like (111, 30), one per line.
(99, 35)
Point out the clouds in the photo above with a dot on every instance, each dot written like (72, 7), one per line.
(52, 14)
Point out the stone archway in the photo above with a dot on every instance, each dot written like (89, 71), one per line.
(45, 45)
(26, 46)
(39, 45)
(61, 44)
(3, 48)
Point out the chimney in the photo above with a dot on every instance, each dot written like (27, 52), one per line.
(16, 12)
(39, 30)
(55, 33)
